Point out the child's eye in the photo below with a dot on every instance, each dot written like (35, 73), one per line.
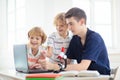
(31, 37)
(37, 38)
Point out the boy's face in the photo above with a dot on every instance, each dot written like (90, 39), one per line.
(61, 28)
(74, 26)
(35, 41)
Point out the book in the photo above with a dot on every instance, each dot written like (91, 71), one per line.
(83, 73)
(44, 76)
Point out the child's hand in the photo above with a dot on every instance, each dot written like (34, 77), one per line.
(46, 64)
(36, 66)
(43, 54)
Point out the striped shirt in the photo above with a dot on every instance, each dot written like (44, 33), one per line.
(57, 42)
(32, 59)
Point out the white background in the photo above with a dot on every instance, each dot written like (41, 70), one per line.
(41, 13)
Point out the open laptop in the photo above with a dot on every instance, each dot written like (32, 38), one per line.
(21, 62)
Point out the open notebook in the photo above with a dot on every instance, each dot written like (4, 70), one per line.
(21, 61)
(83, 73)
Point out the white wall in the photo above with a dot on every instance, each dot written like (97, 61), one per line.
(42, 12)
(115, 21)
(3, 35)
(34, 12)
(115, 56)
(114, 60)
(117, 7)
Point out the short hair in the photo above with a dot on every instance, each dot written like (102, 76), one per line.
(37, 31)
(60, 18)
(77, 13)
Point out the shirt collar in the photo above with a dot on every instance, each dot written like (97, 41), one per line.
(30, 51)
(58, 36)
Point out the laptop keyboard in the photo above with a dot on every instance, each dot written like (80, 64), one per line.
(40, 71)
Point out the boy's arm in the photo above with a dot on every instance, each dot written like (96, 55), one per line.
(49, 51)
(81, 66)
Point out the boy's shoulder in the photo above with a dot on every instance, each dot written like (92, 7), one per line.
(54, 34)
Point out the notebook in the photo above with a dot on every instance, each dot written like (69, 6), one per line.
(82, 73)
(21, 62)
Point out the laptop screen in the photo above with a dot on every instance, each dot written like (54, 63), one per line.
(20, 57)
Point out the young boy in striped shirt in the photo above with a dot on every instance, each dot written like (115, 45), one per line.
(58, 39)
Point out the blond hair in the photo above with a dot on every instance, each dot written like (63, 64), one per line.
(37, 31)
(59, 18)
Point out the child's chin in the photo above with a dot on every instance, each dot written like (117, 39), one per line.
(34, 46)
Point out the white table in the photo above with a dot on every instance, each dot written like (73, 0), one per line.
(14, 75)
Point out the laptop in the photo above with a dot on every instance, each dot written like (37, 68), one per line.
(21, 62)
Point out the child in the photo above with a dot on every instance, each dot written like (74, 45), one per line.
(36, 38)
(58, 39)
